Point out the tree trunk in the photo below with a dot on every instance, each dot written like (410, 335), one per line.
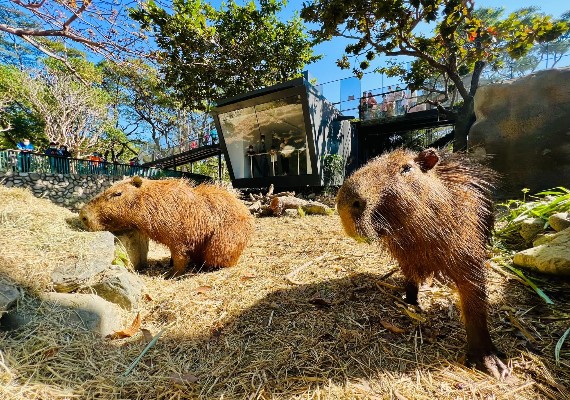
(464, 120)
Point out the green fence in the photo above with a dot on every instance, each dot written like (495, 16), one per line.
(19, 161)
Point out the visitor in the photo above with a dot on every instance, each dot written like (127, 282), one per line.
(64, 160)
(390, 98)
(94, 162)
(53, 157)
(25, 156)
(286, 151)
(252, 162)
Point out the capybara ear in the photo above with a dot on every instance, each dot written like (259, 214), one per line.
(427, 159)
(137, 181)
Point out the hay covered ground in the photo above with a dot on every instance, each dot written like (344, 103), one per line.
(306, 314)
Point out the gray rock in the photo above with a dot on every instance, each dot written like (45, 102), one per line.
(9, 295)
(552, 257)
(559, 221)
(119, 286)
(98, 257)
(87, 311)
(531, 227)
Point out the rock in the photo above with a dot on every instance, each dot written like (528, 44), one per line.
(559, 221)
(531, 227)
(292, 213)
(86, 312)
(9, 295)
(513, 126)
(136, 245)
(543, 238)
(119, 286)
(550, 258)
(98, 257)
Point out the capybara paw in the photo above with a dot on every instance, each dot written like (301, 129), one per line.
(490, 364)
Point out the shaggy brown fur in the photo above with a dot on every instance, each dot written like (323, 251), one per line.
(204, 224)
(434, 214)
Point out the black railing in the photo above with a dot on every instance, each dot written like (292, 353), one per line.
(22, 161)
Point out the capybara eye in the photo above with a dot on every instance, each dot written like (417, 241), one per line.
(116, 194)
(357, 205)
(84, 219)
(406, 168)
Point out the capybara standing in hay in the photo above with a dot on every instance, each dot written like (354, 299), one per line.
(204, 224)
(434, 214)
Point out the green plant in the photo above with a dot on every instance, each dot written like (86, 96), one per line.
(542, 205)
(333, 169)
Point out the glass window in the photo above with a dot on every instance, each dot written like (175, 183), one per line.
(268, 139)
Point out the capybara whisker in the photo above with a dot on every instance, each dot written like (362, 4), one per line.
(433, 212)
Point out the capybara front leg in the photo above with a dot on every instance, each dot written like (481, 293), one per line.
(412, 289)
(179, 264)
(481, 352)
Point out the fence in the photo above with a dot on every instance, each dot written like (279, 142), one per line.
(20, 161)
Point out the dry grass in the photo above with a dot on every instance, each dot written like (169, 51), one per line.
(306, 314)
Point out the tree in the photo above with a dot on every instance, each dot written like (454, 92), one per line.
(207, 53)
(545, 55)
(460, 43)
(17, 119)
(100, 26)
(74, 114)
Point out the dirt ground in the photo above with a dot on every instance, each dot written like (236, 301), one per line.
(306, 314)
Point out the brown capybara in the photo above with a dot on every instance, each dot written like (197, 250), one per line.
(434, 214)
(204, 224)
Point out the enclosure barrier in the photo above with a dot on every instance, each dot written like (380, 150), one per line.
(22, 161)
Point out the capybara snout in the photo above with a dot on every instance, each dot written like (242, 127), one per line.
(205, 224)
(434, 214)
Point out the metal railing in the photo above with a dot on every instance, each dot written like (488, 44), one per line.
(22, 161)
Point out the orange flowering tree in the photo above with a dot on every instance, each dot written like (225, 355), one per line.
(430, 44)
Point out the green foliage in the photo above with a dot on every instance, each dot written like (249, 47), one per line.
(17, 118)
(333, 169)
(209, 167)
(542, 205)
(207, 54)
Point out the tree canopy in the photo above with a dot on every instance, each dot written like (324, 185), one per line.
(446, 39)
(207, 53)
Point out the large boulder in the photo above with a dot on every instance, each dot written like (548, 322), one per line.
(524, 126)
(552, 257)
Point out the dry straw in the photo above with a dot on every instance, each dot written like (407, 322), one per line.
(306, 314)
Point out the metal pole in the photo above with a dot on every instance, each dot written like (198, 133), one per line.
(220, 167)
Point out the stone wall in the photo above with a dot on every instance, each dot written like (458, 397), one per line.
(70, 191)
(524, 126)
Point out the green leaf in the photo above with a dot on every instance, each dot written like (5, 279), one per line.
(559, 346)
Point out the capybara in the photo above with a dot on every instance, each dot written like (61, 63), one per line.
(434, 214)
(204, 224)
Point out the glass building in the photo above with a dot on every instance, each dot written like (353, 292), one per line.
(281, 135)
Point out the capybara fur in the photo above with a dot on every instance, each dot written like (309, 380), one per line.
(204, 224)
(434, 214)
